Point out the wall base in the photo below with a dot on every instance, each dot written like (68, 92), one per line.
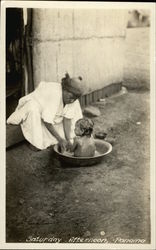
(13, 135)
(100, 93)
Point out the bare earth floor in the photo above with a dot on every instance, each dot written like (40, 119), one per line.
(106, 201)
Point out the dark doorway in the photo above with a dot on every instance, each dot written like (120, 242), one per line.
(19, 70)
(14, 54)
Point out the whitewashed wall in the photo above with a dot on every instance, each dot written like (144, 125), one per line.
(86, 42)
(137, 58)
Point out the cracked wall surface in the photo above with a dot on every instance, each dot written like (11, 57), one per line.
(86, 42)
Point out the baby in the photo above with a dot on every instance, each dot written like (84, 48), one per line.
(84, 145)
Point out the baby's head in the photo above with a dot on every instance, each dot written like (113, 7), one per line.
(84, 127)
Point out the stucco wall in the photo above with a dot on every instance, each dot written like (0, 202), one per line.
(86, 42)
(137, 58)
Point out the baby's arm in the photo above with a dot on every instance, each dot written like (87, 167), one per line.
(74, 146)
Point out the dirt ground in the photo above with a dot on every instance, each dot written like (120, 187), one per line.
(109, 201)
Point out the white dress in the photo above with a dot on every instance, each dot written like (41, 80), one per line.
(45, 103)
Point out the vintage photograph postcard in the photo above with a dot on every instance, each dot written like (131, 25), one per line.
(77, 99)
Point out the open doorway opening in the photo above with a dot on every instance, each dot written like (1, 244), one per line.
(14, 50)
(19, 80)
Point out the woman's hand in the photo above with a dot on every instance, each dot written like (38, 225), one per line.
(63, 145)
(62, 142)
(69, 146)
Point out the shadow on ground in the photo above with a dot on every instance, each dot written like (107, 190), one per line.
(105, 201)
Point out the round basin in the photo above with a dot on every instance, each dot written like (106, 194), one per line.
(102, 148)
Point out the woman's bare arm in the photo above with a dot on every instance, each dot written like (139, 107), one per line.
(67, 128)
(52, 130)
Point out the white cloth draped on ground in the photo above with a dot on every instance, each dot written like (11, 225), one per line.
(45, 103)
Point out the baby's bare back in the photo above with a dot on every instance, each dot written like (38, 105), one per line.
(85, 147)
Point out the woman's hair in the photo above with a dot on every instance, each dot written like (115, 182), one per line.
(66, 81)
(86, 125)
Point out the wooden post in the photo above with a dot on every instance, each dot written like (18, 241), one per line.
(28, 47)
